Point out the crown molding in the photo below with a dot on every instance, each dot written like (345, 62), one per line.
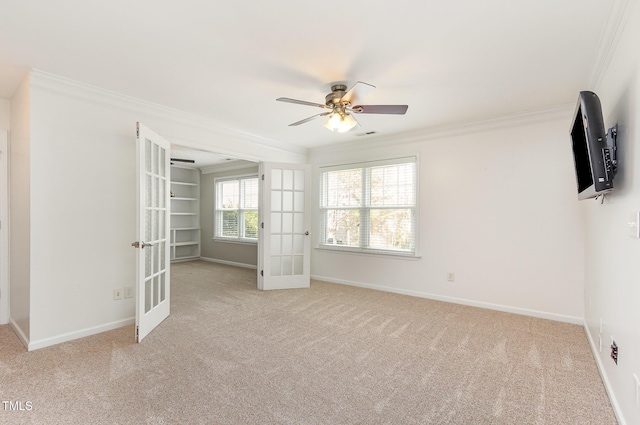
(560, 112)
(609, 38)
(89, 92)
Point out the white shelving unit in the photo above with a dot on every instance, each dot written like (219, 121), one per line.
(185, 213)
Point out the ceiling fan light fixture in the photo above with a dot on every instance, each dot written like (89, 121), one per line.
(340, 122)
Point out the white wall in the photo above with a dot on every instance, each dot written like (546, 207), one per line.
(82, 212)
(236, 253)
(5, 114)
(612, 255)
(498, 207)
(5, 118)
(19, 190)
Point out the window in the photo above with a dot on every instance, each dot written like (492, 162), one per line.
(369, 207)
(236, 210)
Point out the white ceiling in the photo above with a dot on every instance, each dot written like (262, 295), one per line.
(450, 61)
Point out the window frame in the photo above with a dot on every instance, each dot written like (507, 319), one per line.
(366, 208)
(217, 212)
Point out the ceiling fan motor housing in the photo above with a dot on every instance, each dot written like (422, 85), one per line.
(337, 92)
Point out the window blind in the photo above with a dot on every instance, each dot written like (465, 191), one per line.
(369, 206)
(236, 210)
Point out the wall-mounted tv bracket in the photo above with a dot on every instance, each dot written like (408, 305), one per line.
(609, 153)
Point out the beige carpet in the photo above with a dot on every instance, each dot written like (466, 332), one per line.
(331, 354)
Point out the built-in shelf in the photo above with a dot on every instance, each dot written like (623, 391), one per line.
(185, 213)
(186, 243)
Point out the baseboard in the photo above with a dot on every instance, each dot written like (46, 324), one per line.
(46, 342)
(604, 377)
(20, 334)
(490, 306)
(229, 263)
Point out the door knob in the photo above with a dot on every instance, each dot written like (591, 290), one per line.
(137, 244)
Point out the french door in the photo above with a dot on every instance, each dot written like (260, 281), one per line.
(153, 277)
(284, 242)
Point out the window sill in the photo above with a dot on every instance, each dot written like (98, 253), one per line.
(370, 253)
(235, 241)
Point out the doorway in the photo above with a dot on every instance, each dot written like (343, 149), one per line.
(195, 175)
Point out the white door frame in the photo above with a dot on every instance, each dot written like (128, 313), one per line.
(4, 227)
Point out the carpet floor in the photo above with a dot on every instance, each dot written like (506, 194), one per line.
(330, 354)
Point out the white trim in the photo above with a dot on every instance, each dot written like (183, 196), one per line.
(490, 306)
(236, 177)
(89, 92)
(184, 259)
(338, 249)
(4, 228)
(70, 336)
(230, 263)
(243, 241)
(19, 333)
(605, 379)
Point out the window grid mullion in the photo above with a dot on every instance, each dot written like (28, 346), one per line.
(364, 211)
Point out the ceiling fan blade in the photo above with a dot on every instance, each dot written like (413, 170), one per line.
(309, 119)
(381, 109)
(301, 102)
(354, 118)
(358, 91)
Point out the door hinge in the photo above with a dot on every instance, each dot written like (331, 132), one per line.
(263, 177)
(137, 332)
(261, 272)
(262, 225)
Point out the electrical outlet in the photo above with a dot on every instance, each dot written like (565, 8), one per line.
(117, 294)
(128, 291)
(451, 276)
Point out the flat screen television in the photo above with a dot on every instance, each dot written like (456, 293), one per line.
(593, 148)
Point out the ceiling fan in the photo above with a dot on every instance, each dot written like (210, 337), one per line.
(340, 106)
